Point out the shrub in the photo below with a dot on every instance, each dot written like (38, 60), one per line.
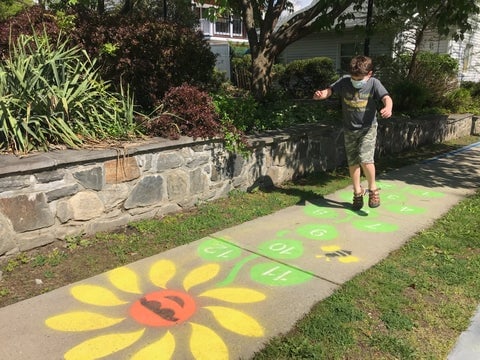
(242, 71)
(151, 56)
(33, 20)
(390, 71)
(409, 96)
(458, 101)
(186, 110)
(437, 73)
(240, 110)
(472, 87)
(302, 77)
(52, 95)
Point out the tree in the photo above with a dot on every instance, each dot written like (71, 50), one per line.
(9, 8)
(268, 37)
(446, 17)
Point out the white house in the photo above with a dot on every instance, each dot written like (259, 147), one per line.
(220, 33)
(466, 51)
(341, 47)
(224, 28)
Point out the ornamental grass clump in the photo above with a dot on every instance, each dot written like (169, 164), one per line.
(51, 95)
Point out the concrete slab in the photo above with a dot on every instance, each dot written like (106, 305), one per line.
(468, 345)
(225, 295)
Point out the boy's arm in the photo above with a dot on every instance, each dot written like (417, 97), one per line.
(386, 112)
(322, 94)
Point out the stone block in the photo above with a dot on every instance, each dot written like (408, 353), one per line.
(14, 182)
(7, 234)
(49, 176)
(198, 181)
(148, 191)
(85, 205)
(62, 192)
(27, 212)
(168, 161)
(177, 185)
(121, 169)
(90, 178)
(35, 239)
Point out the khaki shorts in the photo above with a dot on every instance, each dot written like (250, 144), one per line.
(360, 145)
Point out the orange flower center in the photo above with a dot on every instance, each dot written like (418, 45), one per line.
(163, 308)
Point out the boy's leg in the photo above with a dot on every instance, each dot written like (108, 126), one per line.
(351, 146)
(367, 153)
(355, 175)
(358, 192)
(369, 171)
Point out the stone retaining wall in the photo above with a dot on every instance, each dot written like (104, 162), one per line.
(46, 197)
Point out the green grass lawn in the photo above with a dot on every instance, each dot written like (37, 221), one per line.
(412, 305)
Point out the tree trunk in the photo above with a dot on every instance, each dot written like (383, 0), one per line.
(416, 50)
(261, 75)
(100, 7)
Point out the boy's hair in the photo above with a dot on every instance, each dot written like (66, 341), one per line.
(361, 65)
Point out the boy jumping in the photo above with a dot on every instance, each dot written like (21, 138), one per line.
(359, 95)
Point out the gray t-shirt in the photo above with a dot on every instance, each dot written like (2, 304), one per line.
(359, 106)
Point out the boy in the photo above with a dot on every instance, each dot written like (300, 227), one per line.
(359, 94)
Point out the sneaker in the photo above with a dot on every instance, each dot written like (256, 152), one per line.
(358, 200)
(373, 198)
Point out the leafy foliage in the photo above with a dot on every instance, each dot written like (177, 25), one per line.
(33, 20)
(459, 101)
(241, 71)
(250, 116)
(472, 87)
(434, 76)
(240, 110)
(409, 95)
(51, 95)
(302, 77)
(186, 111)
(9, 8)
(149, 55)
(437, 73)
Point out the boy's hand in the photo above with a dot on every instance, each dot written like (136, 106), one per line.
(322, 94)
(386, 112)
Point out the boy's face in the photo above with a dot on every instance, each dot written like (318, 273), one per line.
(360, 77)
(359, 81)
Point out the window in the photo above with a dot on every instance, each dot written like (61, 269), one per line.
(222, 26)
(230, 25)
(467, 57)
(347, 52)
(237, 26)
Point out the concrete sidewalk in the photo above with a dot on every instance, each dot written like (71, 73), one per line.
(226, 295)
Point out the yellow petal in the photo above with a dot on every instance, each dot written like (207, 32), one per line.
(236, 321)
(81, 321)
(95, 295)
(159, 350)
(161, 272)
(205, 344)
(101, 346)
(125, 279)
(235, 295)
(200, 275)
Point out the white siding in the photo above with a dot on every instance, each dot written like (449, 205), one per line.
(432, 42)
(466, 51)
(222, 52)
(328, 45)
(468, 54)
